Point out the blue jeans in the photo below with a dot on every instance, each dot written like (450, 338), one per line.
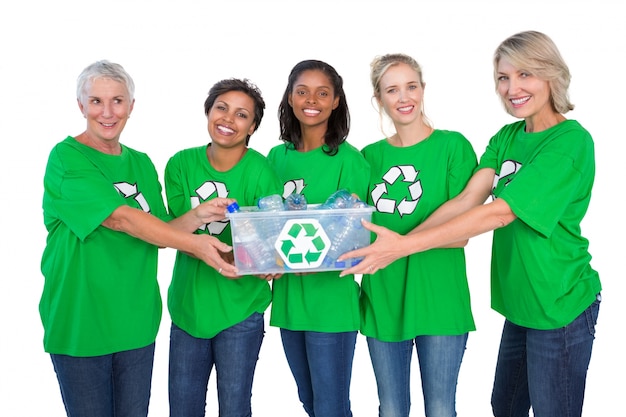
(439, 360)
(234, 353)
(117, 384)
(545, 369)
(321, 364)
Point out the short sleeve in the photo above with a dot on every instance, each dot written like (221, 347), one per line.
(76, 192)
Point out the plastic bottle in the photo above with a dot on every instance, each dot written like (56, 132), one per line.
(342, 229)
(295, 202)
(272, 202)
(339, 199)
(271, 227)
(342, 233)
(258, 255)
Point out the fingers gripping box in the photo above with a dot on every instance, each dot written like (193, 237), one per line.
(297, 241)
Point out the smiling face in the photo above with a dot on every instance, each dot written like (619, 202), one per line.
(523, 94)
(400, 93)
(231, 120)
(313, 98)
(106, 106)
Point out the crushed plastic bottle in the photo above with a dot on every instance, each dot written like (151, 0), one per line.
(257, 254)
(342, 233)
(342, 229)
(272, 202)
(271, 227)
(295, 202)
(339, 199)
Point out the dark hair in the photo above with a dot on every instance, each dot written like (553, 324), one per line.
(245, 86)
(339, 121)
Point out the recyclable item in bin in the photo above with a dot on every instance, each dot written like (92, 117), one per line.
(343, 230)
(255, 252)
(305, 238)
(271, 228)
(339, 199)
(295, 201)
(272, 202)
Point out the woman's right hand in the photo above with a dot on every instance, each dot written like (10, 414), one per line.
(215, 253)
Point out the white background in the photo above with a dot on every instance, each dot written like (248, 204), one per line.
(175, 51)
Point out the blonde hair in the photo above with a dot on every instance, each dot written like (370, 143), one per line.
(379, 66)
(538, 54)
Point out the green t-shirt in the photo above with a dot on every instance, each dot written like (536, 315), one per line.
(541, 275)
(100, 292)
(200, 300)
(319, 301)
(424, 293)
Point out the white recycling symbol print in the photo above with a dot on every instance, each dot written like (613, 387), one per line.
(203, 193)
(406, 174)
(294, 186)
(130, 190)
(507, 170)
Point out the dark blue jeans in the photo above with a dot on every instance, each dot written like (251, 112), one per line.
(321, 364)
(544, 369)
(105, 386)
(234, 353)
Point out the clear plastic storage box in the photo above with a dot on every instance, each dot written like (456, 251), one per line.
(267, 242)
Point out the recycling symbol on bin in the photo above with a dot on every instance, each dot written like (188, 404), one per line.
(412, 190)
(302, 243)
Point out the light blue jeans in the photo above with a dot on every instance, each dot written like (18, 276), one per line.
(234, 353)
(321, 364)
(439, 361)
(545, 369)
(117, 384)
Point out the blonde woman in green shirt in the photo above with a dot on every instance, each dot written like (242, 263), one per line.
(420, 301)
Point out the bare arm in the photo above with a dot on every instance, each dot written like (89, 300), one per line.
(475, 193)
(459, 219)
(150, 229)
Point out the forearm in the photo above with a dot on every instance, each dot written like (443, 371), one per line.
(473, 222)
(445, 212)
(188, 222)
(475, 194)
(149, 228)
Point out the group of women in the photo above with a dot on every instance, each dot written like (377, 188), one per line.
(105, 217)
